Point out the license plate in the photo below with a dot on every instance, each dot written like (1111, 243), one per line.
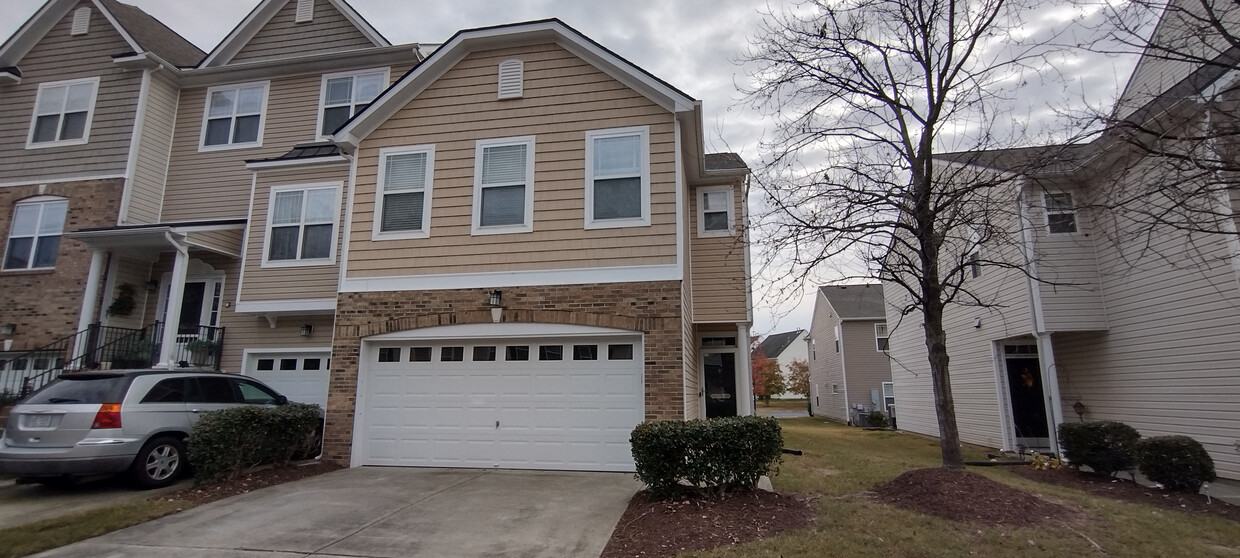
(39, 421)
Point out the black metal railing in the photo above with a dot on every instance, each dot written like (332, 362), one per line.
(198, 347)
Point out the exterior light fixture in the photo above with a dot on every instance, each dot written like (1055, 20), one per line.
(152, 286)
(495, 298)
(1080, 410)
(306, 329)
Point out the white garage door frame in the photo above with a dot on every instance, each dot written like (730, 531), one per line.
(249, 357)
(473, 334)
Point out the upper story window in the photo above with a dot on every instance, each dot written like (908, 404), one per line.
(34, 236)
(403, 204)
(62, 113)
(1060, 213)
(881, 341)
(504, 185)
(837, 339)
(618, 177)
(974, 255)
(301, 224)
(233, 117)
(346, 94)
(715, 211)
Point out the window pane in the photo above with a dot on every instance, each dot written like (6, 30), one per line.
(250, 100)
(217, 131)
(312, 364)
(18, 254)
(246, 129)
(255, 395)
(25, 218)
(717, 221)
(484, 354)
(51, 100)
(517, 353)
(402, 212)
(53, 217)
(618, 198)
(334, 118)
(551, 352)
(367, 87)
(389, 354)
(222, 103)
(287, 208)
(318, 243)
(45, 128)
(73, 126)
(283, 243)
(620, 155)
(339, 91)
(288, 364)
(406, 171)
(504, 163)
(715, 201)
(452, 354)
(79, 97)
(420, 354)
(167, 391)
(320, 204)
(266, 364)
(1061, 222)
(45, 251)
(503, 205)
(215, 390)
(585, 352)
(620, 352)
(1059, 202)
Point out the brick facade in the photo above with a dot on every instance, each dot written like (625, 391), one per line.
(653, 308)
(44, 305)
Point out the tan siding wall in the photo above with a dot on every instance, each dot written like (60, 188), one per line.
(719, 285)
(283, 37)
(227, 241)
(868, 367)
(289, 283)
(58, 57)
(146, 194)
(564, 97)
(825, 362)
(1071, 296)
(216, 184)
(135, 273)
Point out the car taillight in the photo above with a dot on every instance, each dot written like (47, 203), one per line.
(109, 416)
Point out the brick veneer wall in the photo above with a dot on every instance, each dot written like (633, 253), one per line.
(652, 308)
(45, 304)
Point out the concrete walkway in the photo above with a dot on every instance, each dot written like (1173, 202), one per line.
(389, 512)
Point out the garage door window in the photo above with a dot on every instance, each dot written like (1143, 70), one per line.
(484, 354)
(266, 364)
(517, 353)
(551, 352)
(585, 352)
(452, 354)
(288, 364)
(420, 354)
(389, 354)
(312, 364)
(620, 352)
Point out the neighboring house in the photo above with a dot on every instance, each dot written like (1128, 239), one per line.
(848, 366)
(784, 348)
(1107, 321)
(505, 252)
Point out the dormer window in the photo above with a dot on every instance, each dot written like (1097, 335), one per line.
(510, 79)
(81, 22)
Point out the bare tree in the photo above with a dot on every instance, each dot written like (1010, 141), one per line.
(868, 96)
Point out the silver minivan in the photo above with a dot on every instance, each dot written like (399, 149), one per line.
(103, 423)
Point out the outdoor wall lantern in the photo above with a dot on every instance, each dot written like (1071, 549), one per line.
(1080, 410)
(8, 329)
(495, 298)
(306, 329)
(152, 286)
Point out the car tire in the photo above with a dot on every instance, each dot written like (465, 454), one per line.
(159, 463)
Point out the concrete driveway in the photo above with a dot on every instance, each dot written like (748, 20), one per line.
(389, 512)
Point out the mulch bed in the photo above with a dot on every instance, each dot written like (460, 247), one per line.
(651, 528)
(965, 496)
(248, 482)
(1129, 491)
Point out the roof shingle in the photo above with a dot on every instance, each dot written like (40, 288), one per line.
(856, 301)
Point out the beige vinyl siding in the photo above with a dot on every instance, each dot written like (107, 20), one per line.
(216, 184)
(283, 37)
(1071, 295)
(563, 98)
(226, 241)
(57, 57)
(135, 273)
(289, 283)
(146, 186)
(719, 282)
(868, 367)
(825, 362)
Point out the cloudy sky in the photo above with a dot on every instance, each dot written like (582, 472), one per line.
(693, 44)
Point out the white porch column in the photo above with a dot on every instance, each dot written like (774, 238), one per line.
(172, 312)
(1050, 383)
(90, 300)
(744, 376)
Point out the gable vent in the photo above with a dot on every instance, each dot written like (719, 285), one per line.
(305, 10)
(510, 78)
(81, 21)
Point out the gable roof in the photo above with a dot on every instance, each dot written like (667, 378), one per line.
(775, 343)
(484, 38)
(856, 301)
(142, 32)
(262, 14)
(725, 161)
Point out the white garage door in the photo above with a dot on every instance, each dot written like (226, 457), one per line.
(300, 376)
(563, 403)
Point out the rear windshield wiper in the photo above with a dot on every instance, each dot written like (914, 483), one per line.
(62, 400)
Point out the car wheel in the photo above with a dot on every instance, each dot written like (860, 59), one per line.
(160, 463)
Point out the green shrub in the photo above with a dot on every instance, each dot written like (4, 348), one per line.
(877, 419)
(1107, 447)
(1176, 462)
(225, 443)
(716, 454)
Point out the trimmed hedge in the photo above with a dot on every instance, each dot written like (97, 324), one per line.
(1176, 462)
(876, 419)
(1107, 447)
(225, 443)
(716, 454)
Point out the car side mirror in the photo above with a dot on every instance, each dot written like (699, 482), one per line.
(281, 400)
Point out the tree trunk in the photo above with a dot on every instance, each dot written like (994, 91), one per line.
(944, 404)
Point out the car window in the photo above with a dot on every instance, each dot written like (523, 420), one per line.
(255, 394)
(171, 390)
(70, 389)
(213, 390)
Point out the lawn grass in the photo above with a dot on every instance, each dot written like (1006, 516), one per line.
(59, 531)
(784, 404)
(842, 462)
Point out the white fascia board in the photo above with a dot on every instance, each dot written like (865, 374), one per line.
(301, 306)
(300, 65)
(291, 163)
(124, 34)
(500, 331)
(581, 276)
(240, 35)
(31, 32)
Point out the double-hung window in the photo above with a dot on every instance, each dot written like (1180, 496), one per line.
(403, 204)
(882, 342)
(34, 236)
(62, 113)
(504, 185)
(618, 177)
(344, 95)
(715, 211)
(1060, 213)
(301, 224)
(233, 116)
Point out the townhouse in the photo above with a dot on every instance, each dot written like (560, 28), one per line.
(850, 373)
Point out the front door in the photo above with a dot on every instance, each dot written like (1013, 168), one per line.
(720, 384)
(1028, 402)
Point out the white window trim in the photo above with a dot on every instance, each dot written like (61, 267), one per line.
(886, 336)
(318, 125)
(644, 220)
(34, 243)
(701, 212)
(206, 112)
(375, 233)
(475, 222)
(1046, 212)
(90, 114)
(271, 196)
